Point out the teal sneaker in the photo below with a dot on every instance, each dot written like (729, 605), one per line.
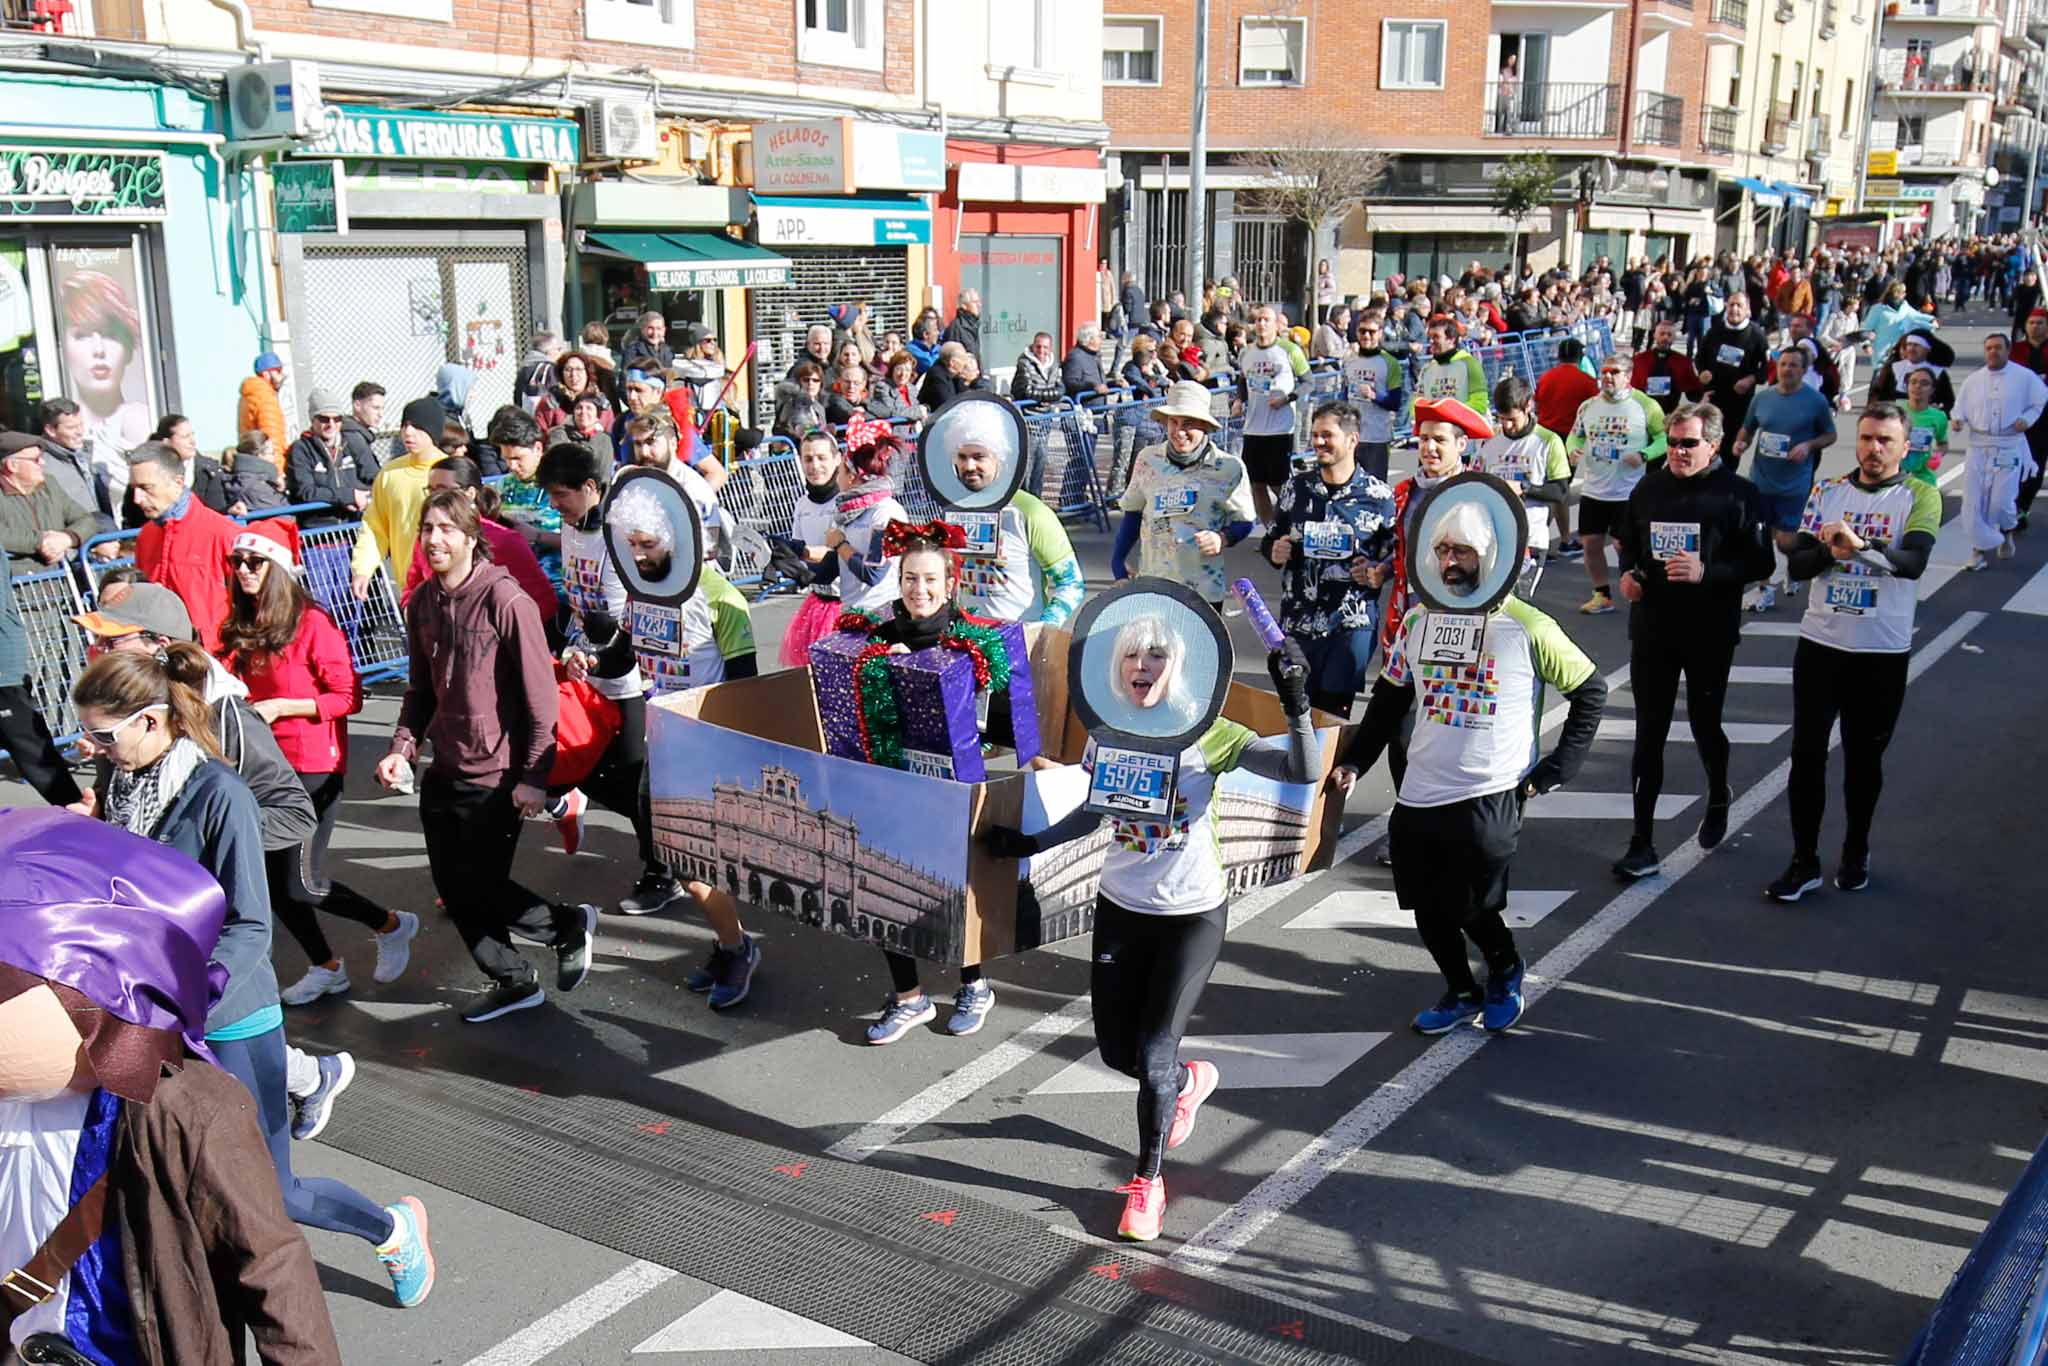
(408, 1257)
(1452, 1010)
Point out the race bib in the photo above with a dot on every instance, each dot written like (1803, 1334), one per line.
(1177, 501)
(984, 532)
(1851, 594)
(926, 764)
(2005, 461)
(1453, 637)
(1132, 782)
(1729, 355)
(1658, 387)
(1775, 445)
(1607, 450)
(1920, 439)
(1668, 540)
(657, 630)
(1327, 540)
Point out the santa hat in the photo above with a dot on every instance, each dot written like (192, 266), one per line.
(270, 540)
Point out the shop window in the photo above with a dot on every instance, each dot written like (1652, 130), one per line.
(1271, 51)
(437, 11)
(840, 33)
(1021, 289)
(1412, 54)
(94, 344)
(656, 23)
(1130, 51)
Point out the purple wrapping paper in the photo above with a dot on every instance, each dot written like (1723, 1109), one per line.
(1023, 701)
(832, 659)
(935, 696)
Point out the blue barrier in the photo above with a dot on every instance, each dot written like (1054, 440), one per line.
(1993, 1313)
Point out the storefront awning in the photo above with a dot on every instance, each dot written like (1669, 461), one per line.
(693, 260)
(842, 220)
(1762, 191)
(1795, 198)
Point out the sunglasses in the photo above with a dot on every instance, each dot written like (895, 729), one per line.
(106, 738)
(1687, 443)
(247, 561)
(325, 421)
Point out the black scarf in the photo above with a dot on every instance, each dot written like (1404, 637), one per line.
(904, 629)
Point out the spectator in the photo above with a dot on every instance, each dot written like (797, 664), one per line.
(946, 376)
(185, 544)
(850, 394)
(1037, 379)
(537, 370)
(205, 476)
(1159, 321)
(1144, 373)
(319, 467)
(70, 464)
(895, 395)
(1081, 374)
(391, 522)
(40, 524)
(648, 348)
(817, 350)
(22, 732)
(575, 377)
(452, 386)
(1131, 299)
(700, 367)
(800, 403)
(1212, 335)
(589, 425)
(850, 328)
(360, 427)
(1332, 338)
(925, 339)
(259, 408)
(966, 326)
(1563, 388)
(255, 484)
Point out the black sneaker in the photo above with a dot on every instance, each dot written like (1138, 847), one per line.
(572, 954)
(503, 998)
(1714, 827)
(653, 892)
(1801, 877)
(1640, 860)
(1854, 874)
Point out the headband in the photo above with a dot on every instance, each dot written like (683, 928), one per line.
(897, 536)
(863, 431)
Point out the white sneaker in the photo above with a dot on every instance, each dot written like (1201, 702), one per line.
(317, 982)
(394, 948)
(1979, 562)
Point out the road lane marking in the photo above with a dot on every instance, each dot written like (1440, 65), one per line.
(545, 1336)
(1235, 1228)
(1377, 908)
(2033, 595)
(732, 1322)
(1244, 1062)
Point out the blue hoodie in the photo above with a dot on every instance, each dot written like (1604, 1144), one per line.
(452, 384)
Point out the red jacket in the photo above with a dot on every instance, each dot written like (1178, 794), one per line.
(189, 556)
(1560, 391)
(317, 665)
(1684, 380)
(510, 552)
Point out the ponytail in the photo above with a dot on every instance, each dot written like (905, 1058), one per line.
(469, 477)
(127, 681)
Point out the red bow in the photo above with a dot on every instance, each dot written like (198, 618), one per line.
(897, 535)
(863, 431)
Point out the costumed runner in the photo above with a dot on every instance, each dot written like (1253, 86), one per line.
(1148, 668)
(139, 1222)
(1481, 660)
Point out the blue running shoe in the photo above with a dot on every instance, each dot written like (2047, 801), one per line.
(737, 974)
(336, 1072)
(900, 1017)
(408, 1257)
(971, 1007)
(1503, 999)
(1447, 1014)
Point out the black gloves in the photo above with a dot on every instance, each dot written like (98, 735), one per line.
(1003, 842)
(1289, 667)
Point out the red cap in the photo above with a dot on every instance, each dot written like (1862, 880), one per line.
(2039, 313)
(1455, 412)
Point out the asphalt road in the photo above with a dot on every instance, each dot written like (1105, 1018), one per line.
(1726, 1131)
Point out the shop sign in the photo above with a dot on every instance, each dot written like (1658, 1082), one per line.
(1883, 189)
(717, 276)
(80, 182)
(1884, 163)
(803, 158)
(821, 223)
(886, 158)
(991, 183)
(357, 130)
(312, 197)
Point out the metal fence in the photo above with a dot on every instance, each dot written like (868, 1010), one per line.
(47, 600)
(1993, 1313)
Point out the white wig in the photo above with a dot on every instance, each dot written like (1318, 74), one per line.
(976, 423)
(1468, 524)
(639, 511)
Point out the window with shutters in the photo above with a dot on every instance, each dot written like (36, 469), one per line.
(1271, 51)
(1130, 50)
(1412, 54)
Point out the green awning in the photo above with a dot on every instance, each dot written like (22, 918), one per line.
(693, 260)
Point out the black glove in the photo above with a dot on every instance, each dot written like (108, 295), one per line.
(1003, 842)
(1542, 778)
(600, 628)
(1289, 667)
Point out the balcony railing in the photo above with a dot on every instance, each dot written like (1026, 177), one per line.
(1553, 109)
(1916, 79)
(1660, 119)
(1933, 9)
(1920, 154)
(1780, 130)
(117, 19)
(1717, 129)
(1734, 12)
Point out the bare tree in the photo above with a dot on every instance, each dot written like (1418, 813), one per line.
(1315, 179)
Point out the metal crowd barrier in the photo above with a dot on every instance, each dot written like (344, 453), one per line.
(47, 600)
(1995, 1311)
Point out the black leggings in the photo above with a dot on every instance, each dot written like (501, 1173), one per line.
(1653, 672)
(903, 971)
(1451, 870)
(295, 873)
(317, 1202)
(1867, 690)
(1148, 973)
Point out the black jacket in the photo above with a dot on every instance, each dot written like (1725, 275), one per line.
(1720, 515)
(1081, 373)
(966, 330)
(1749, 340)
(361, 444)
(313, 473)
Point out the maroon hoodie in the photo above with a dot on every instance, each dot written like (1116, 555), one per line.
(482, 688)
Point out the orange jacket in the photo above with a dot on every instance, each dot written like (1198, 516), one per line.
(260, 409)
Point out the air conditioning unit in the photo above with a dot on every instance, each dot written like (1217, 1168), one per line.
(274, 100)
(625, 131)
(1786, 13)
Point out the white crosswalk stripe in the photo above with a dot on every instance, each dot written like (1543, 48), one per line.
(732, 1322)
(1244, 1062)
(1739, 732)
(1370, 908)
(1567, 805)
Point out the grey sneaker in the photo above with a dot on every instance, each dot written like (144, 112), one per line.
(971, 1006)
(394, 950)
(736, 974)
(900, 1017)
(573, 953)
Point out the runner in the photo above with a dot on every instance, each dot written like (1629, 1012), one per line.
(817, 462)
(1188, 499)
(1450, 372)
(1997, 405)
(1866, 535)
(1789, 424)
(1458, 815)
(1665, 373)
(1265, 400)
(1033, 574)
(1617, 433)
(1691, 539)
(1333, 528)
(1927, 438)
(1733, 359)
(1373, 382)
(1531, 459)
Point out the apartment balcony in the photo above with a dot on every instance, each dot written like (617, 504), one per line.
(1663, 16)
(1554, 109)
(2020, 99)
(117, 19)
(2037, 24)
(1936, 83)
(1717, 129)
(1660, 119)
(1827, 19)
(1937, 160)
(1733, 14)
(1781, 131)
(1932, 12)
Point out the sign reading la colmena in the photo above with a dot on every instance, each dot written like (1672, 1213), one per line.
(363, 131)
(67, 182)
